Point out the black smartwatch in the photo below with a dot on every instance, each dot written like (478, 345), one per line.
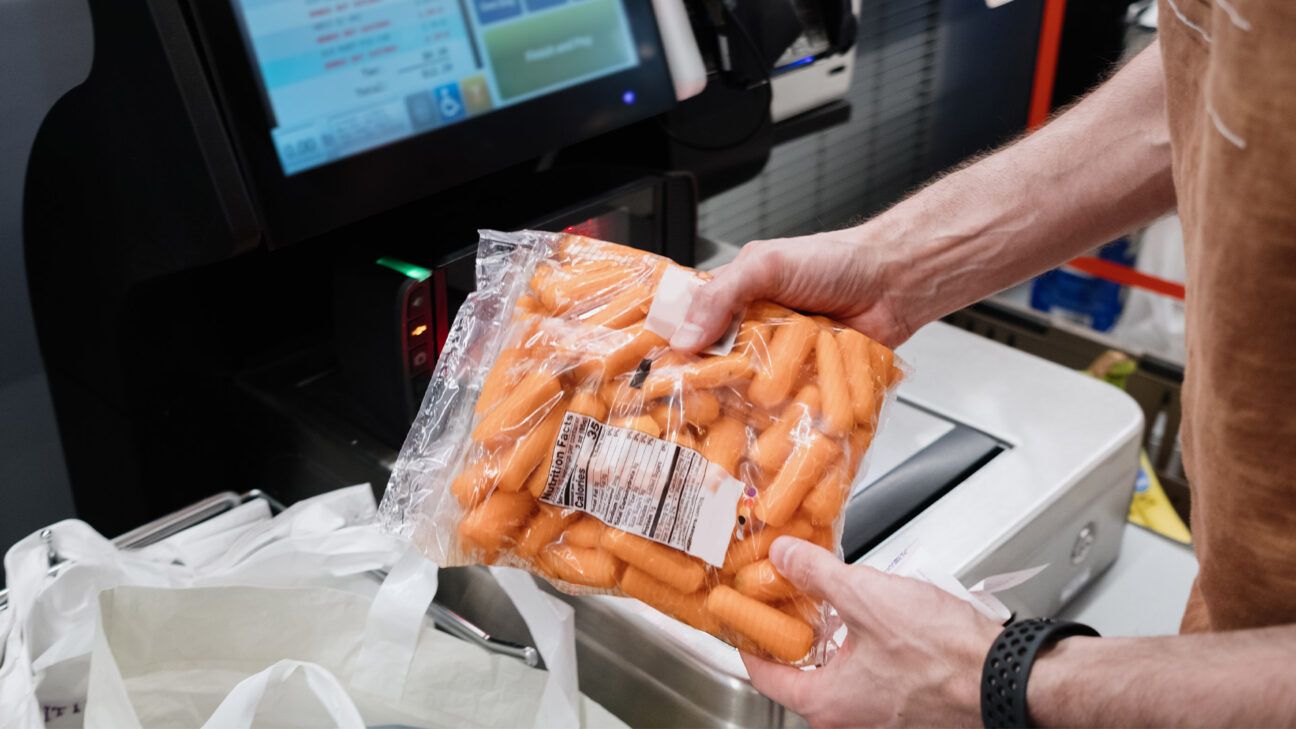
(1008, 665)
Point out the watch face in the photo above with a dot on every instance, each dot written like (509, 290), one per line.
(346, 108)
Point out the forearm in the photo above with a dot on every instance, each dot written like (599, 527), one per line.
(1240, 678)
(1097, 171)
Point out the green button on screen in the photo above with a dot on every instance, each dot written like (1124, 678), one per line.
(557, 47)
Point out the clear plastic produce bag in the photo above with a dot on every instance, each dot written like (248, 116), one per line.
(562, 435)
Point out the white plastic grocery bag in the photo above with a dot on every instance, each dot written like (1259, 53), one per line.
(219, 657)
(48, 627)
(48, 631)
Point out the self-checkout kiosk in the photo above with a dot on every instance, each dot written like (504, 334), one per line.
(245, 227)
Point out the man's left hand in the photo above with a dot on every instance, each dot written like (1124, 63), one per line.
(912, 654)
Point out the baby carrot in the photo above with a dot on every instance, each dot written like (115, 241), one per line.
(580, 248)
(775, 443)
(858, 361)
(561, 290)
(681, 436)
(884, 364)
(581, 566)
(697, 407)
(789, 348)
(623, 357)
(824, 502)
(522, 458)
(503, 375)
(587, 402)
(803, 608)
(473, 482)
(860, 438)
(626, 308)
(531, 398)
(704, 374)
(680, 571)
(690, 608)
(839, 415)
(782, 635)
(584, 533)
(529, 305)
(757, 545)
(543, 528)
(802, 471)
(725, 442)
(761, 581)
(641, 423)
(492, 524)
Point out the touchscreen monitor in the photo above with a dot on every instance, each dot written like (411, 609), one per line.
(341, 77)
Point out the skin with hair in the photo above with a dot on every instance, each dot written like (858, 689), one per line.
(913, 654)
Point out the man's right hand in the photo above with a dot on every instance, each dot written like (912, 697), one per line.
(843, 274)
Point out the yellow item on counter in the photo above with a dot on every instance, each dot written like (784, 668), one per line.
(1151, 508)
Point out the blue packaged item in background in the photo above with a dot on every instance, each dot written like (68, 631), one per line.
(1083, 298)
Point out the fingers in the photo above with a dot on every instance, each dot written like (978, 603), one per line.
(814, 570)
(747, 278)
(784, 684)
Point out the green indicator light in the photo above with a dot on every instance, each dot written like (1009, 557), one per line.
(418, 273)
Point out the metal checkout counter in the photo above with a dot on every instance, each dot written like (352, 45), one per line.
(245, 226)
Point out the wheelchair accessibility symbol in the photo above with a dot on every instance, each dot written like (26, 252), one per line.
(449, 103)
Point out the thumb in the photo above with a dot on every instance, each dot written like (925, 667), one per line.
(812, 569)
(717, 301)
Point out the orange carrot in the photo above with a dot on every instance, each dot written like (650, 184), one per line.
(626, 308)
(789, 348)
(562, 289)
(623, 357)
(775, 443)
(587, 402)
(802, 471)
(492, 524)
(581, 566)
(584, 533)
(782, 635)
(803, 608)
(473, 482)
(530, 306)
(860, 439)
(761, 581)
(704, 374)
(543, 528)
(675, 568)
(858, 361)
(824, 502)
(884, 364)
(690, 608)
(697, 407)
(681, 436)
(504, 374)
(530, 449)
(725, 442)
(757, 545)
(839, 415)
(530, 400)
(641, 423)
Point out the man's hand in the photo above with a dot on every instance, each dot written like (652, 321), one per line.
(1032, 206)
(912, 654)
(843, 274)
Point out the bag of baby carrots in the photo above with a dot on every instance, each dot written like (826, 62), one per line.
(562, 435)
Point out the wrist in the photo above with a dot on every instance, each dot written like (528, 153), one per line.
(913, 284)
(1054, 694)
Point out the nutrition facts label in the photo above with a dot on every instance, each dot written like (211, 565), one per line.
(644, 485)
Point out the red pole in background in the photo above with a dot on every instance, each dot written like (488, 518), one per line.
(1041, 102)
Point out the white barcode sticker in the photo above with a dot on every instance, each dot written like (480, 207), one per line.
(644, 485)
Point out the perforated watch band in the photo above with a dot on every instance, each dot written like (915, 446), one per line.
(1008, 665)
